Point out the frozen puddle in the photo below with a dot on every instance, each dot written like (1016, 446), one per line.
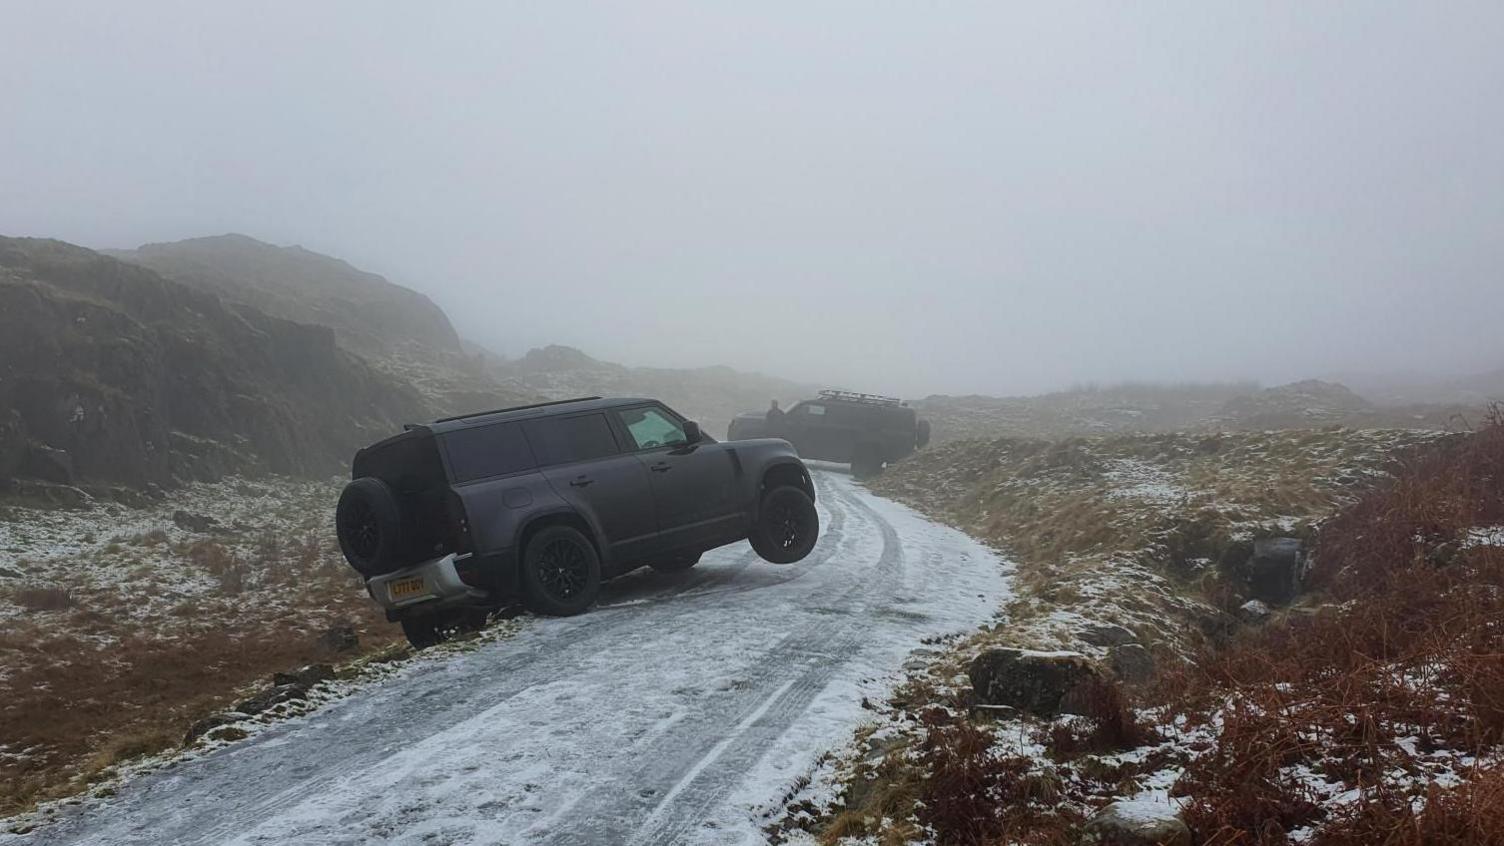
(681, 710)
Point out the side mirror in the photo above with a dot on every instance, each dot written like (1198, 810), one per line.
(692, 433)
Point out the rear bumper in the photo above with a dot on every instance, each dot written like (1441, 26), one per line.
(441, 586)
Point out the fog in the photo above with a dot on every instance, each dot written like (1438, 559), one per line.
(897, 197)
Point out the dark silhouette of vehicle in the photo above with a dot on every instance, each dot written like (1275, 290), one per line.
(865, 430)
(452, 519)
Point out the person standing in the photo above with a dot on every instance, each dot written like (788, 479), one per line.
(775, 420)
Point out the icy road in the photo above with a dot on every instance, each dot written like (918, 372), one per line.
(681, 710)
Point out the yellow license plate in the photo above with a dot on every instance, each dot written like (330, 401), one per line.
(404, 588)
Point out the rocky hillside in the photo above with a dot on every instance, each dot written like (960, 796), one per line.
(710, 395)
(369, 314)
(399, 331)
(1216, 407)
(1315, 403)
(113, 374)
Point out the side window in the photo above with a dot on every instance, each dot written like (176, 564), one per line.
(811, 409)
(561, 440)
(651, 427)
(845, 414)
(484, 451)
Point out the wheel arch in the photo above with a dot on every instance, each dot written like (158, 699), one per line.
(789, 472)
(560, 517)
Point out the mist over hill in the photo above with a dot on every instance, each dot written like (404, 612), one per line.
(368, 314)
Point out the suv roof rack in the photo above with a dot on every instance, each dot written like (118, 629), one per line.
(513, 408)
(853, 396)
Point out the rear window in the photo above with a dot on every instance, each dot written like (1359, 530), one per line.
(561, 440)
(485, 451)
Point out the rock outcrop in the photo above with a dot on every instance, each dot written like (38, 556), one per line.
(110, 373)
(1044, 684)
(1135, 824)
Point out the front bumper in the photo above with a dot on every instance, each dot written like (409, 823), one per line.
(441, 586)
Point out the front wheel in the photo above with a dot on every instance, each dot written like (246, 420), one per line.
(787, 526)
(866, 462)
(561, 574)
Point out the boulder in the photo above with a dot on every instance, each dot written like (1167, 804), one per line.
(307, 676)
(190, 522)
(1131, 823)
(48, 465)
(1131, 662)
(1040, 683)
(1275, 570)
(1253, 612)
(54, 495)
(1106, 634)
(339, 639)
(208, 724)
(272, 696)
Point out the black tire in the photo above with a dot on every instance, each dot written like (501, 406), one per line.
(422, 631)
(676, 564)
(922, 434)
(561, 574)
(787, 526)
(866, 461)
(368, 522)
(425, 630)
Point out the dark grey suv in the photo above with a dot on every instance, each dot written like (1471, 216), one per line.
(866, 430)
(451, 519)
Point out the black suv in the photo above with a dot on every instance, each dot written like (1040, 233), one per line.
(452, 519)
(865, 430)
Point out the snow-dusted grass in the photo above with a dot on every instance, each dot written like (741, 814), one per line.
(1124, 530)
(119, 626)
(1127, 529)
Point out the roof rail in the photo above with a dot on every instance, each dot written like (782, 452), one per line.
(513, 408)
(853, 396)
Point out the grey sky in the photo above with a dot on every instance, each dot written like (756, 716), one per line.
(898, 196)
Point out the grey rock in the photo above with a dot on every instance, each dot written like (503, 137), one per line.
(57, 496)
(1276, 569)
(48, 465)
(307, 676)
(339, 639)
(1106, 634)
(272, 696)
(190, 522)
(878, 748)
(208, 724)
(1253, 611)
(1040, 683)
(1135, 824)
(1131, 662)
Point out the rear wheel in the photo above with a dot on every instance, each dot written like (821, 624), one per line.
(676, 564)
(561, 574)
(787, 526)
(425, 630)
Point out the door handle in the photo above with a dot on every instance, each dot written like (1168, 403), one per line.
(582, 482)
(661, 467)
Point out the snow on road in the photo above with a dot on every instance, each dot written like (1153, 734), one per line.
(681, 710)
